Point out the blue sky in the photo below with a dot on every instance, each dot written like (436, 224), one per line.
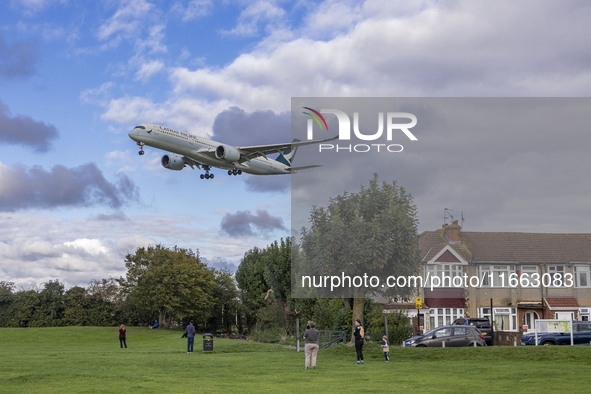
(75, 77)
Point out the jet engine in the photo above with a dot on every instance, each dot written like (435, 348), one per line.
(172, 162)
(228, 153)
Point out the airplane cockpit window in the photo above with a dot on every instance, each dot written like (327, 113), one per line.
(140, 127)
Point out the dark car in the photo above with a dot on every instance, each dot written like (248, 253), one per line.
(581, 336)
(481, 323)
(448, 336)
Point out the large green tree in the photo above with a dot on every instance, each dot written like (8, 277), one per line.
(264, 277)
(174, 282)
(369, 233)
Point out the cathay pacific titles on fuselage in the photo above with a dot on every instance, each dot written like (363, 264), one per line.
(204, 154)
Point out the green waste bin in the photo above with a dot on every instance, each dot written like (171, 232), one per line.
(208, 342)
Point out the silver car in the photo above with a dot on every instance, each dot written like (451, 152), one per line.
(448, 336)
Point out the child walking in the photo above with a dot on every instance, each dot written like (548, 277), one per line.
(386, 348)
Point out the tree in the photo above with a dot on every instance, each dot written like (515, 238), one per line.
(251, 281)
(7, 298)
(51, 306)
(369, 234)
(173, 282)
(264, 278)
(226, 305)
(77, 305)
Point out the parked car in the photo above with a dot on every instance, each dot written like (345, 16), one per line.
(481, 323)
(581, 336)
(448, 336)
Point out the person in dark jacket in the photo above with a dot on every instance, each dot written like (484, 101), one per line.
(190, 331)
(311, 348)
(359, 335)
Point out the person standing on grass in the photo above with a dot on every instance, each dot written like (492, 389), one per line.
(311, 348)
(122, 332)
(359, 335)
(386, 348)
(190, 331)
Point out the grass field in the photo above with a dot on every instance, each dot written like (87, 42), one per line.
(88, 359)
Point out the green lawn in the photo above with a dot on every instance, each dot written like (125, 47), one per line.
(88, 359)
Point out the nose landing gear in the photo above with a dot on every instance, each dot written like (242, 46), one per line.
(141, 145)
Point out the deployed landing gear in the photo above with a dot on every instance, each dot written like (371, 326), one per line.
(141, 152)
(234, 172)
(207, 175)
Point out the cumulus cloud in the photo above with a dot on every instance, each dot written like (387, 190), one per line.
(17, 59)
(237, 127)
(22, 130)
(35, 187)
(271, 184)
(245, 223)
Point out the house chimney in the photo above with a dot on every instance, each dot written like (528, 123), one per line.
(452, 232)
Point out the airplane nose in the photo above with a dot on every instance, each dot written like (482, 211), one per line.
(133, 134)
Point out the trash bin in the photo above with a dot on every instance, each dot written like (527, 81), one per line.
(208, 342)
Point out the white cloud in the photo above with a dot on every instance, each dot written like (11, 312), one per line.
(255, 14)
(127, 20)
(91, 246)
(193, 10)
(147, 70)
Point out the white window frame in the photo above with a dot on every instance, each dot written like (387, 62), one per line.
(444, 316)
(529, 271)
(485, 270)
(557, 269)
(505, 311)
(441, 270)
(585, 270)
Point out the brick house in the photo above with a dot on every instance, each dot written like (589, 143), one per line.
(524, 276)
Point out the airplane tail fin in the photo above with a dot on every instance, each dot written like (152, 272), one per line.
(286, 157)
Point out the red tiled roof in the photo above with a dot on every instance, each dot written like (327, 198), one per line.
(557, 302)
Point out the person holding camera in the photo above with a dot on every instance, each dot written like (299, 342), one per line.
(311, 348)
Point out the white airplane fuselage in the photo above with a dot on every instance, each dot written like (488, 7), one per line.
(201, 151)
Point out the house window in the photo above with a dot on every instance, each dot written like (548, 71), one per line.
(495, 275)
(557, 274)
(584, 314)
(529, 275)
(444, 316)
(445, 273)
(583, 276)
(505, 319)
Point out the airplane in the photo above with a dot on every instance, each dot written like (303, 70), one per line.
(204, 154)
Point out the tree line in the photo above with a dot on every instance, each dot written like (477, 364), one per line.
(375, 228)
(170, 285)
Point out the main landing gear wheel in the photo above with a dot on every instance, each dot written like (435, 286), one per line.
(206, 176)
(234, 172)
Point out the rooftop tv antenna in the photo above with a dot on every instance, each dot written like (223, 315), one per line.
(447, 215)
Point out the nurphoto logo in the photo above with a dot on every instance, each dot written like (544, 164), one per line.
(397, 123)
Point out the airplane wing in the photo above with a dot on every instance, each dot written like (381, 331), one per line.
(250, 152)
(296, 169)
(191, 162)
